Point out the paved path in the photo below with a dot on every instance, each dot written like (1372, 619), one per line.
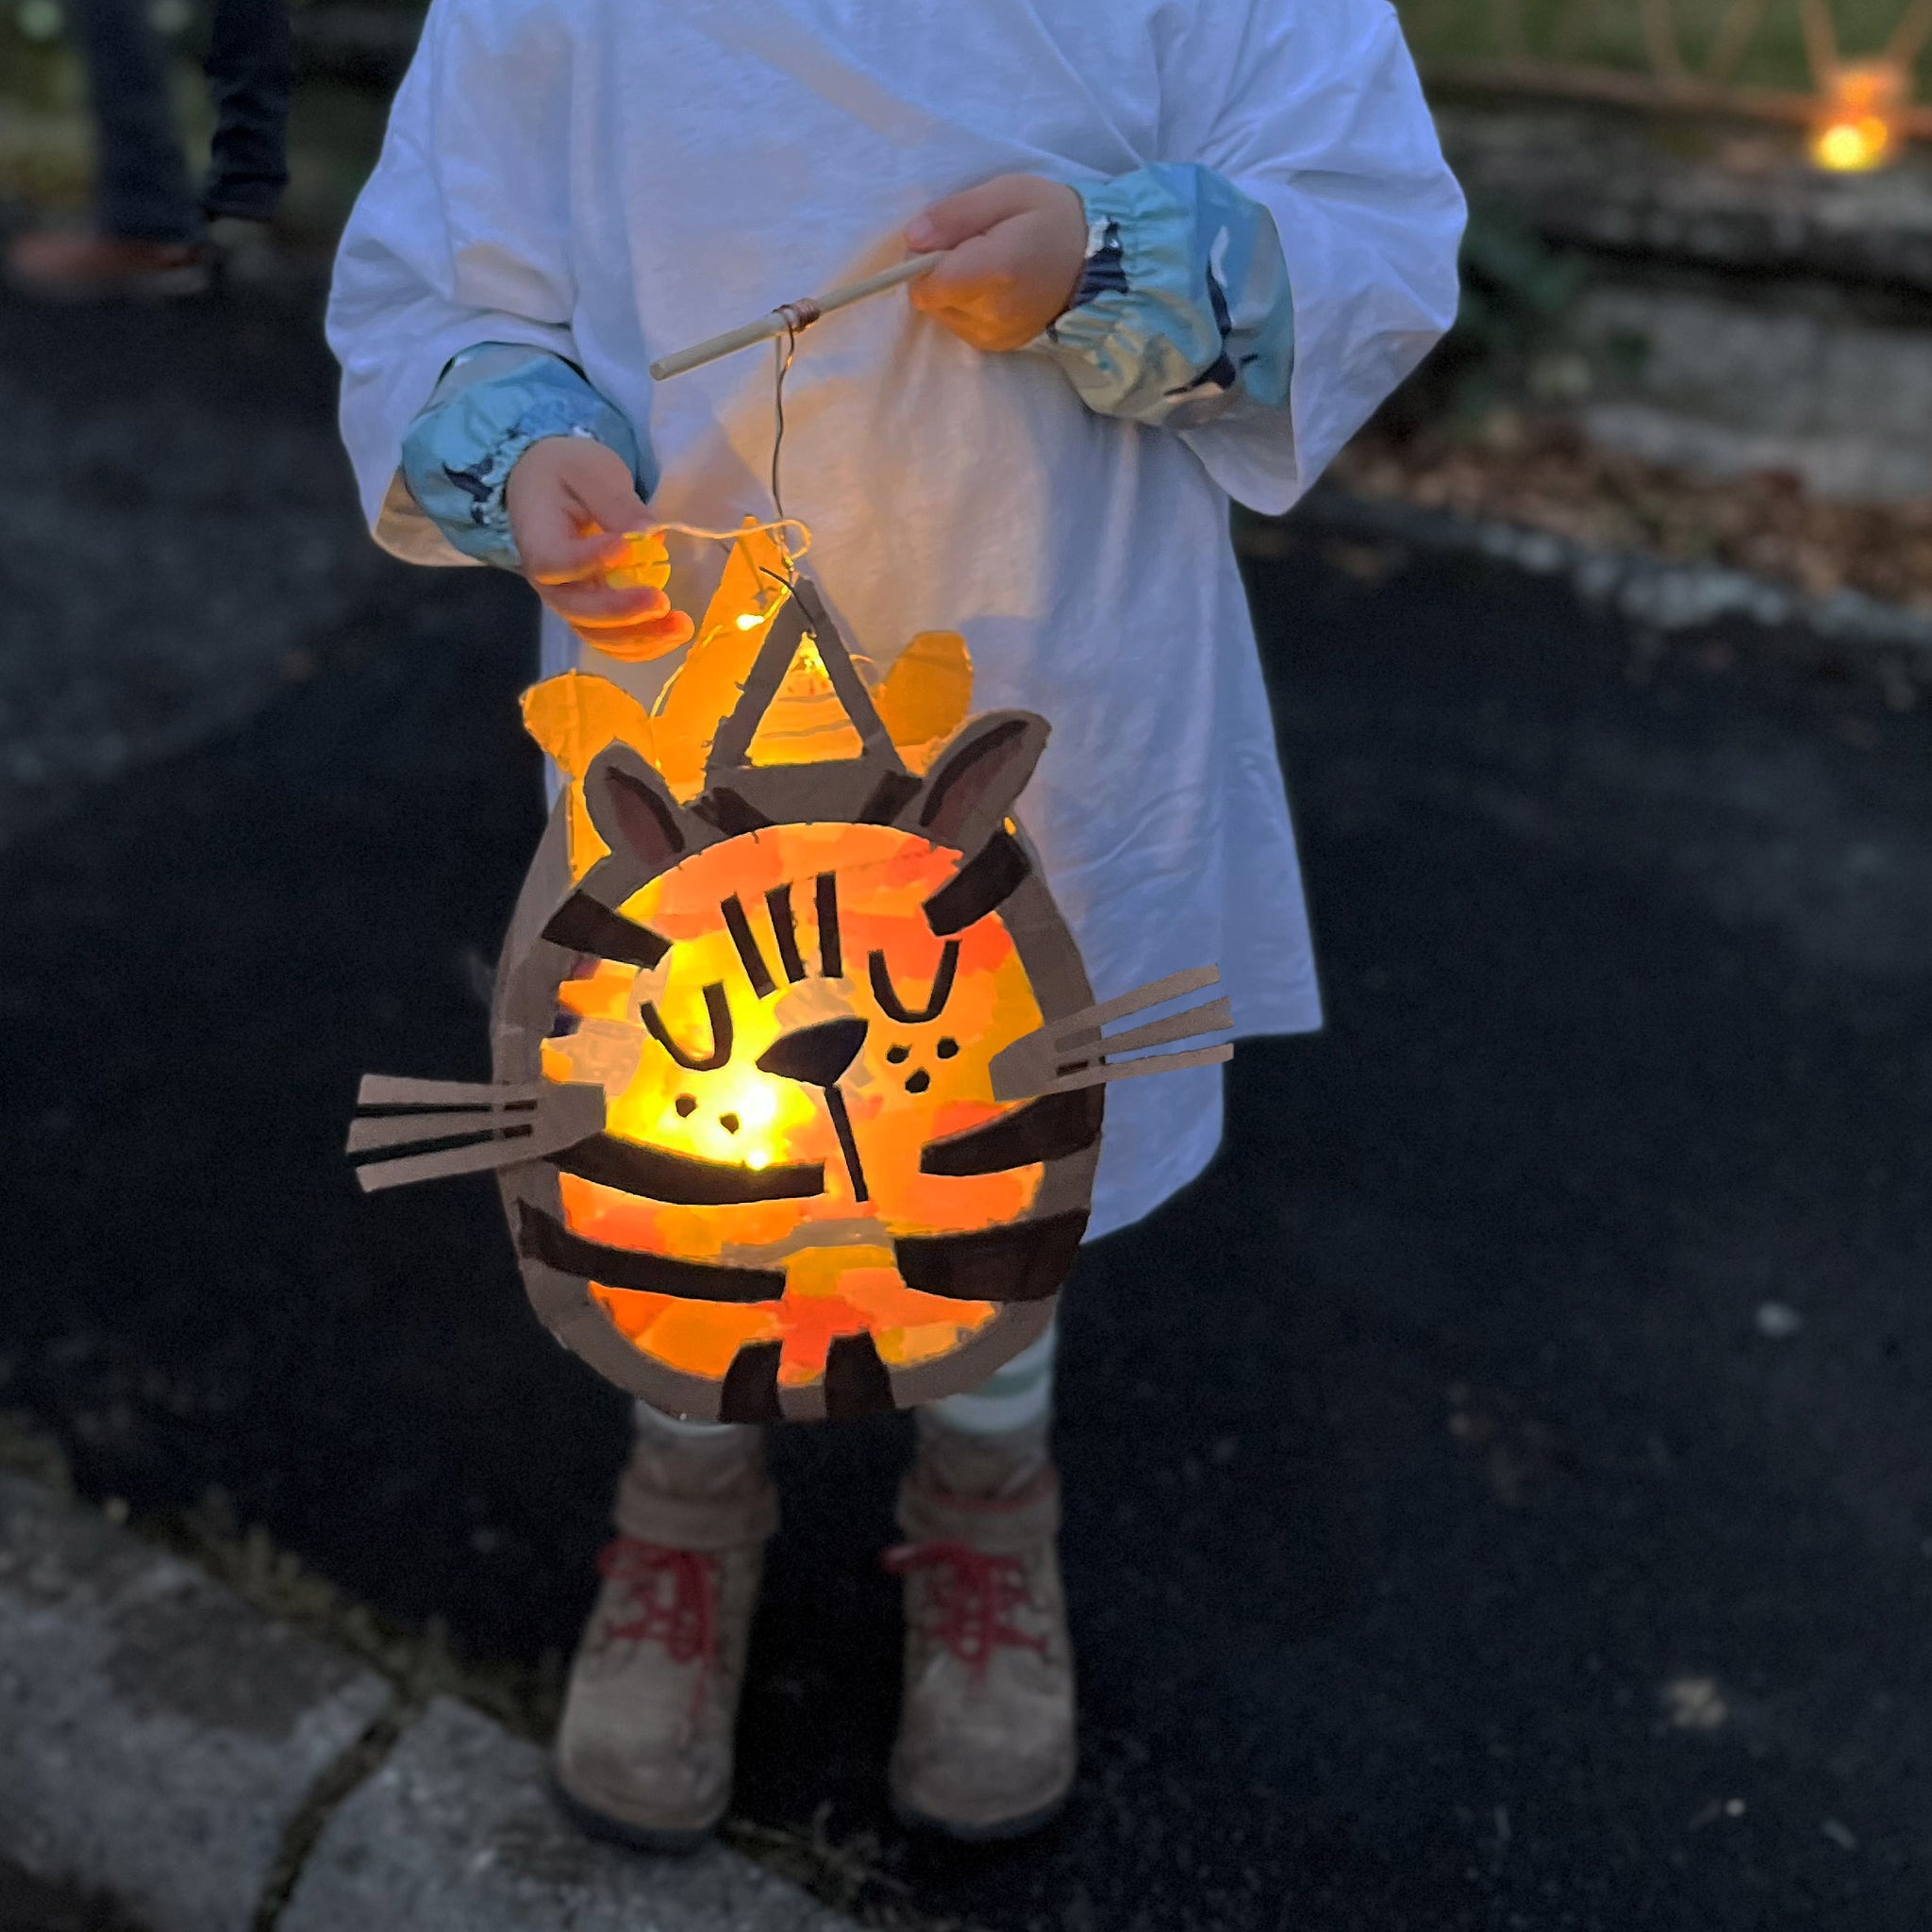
(1498, 1494)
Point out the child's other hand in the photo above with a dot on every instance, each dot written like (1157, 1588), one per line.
(1017, 248)
(570, 501)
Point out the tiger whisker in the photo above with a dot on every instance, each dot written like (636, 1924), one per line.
(1098, 1074)
(1039, 1062)
(392, 1090)
(498, 1126)
(1212, 1016)
(412, 1129)
(1155, 993)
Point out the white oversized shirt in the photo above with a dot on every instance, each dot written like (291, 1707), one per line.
(614, 179)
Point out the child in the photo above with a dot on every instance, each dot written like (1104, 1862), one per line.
(1192, 243)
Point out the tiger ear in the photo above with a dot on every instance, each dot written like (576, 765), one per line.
(634, 811)
(974, 783)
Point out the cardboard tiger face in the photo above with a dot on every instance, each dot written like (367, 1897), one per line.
(798, 1092)
(806, 1199)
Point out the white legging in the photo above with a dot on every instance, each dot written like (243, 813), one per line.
(1014, 1397)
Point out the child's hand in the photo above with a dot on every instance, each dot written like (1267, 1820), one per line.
(570, 501)
(1017, 248)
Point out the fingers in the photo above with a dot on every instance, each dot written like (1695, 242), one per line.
(558, 539)
(606, 496)
(578, 522)
(980, 330)
(962, 216)
(592, 605)
(998, 288)
(976, 270)
(570, 502)
(559, 556)
(981, 296)
(642, 642)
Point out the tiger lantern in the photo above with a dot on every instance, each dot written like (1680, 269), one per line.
(799, 1080)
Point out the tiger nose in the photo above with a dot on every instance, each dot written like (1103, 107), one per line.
(815, 1056)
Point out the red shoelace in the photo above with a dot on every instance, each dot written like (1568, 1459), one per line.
(667, 1596)
(972, 1599)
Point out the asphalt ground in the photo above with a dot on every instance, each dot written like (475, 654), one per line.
(28, 1905)
(1496, 1492)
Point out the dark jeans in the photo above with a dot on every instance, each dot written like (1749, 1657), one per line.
(144, 192)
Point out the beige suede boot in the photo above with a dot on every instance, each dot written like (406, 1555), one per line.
(644, 1750)
(985, 1743)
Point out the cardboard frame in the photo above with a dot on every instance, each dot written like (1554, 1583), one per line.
(964, 803)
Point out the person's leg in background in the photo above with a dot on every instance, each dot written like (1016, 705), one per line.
(986, 1746)
(150, 232)
(247, 68)
(147, 238)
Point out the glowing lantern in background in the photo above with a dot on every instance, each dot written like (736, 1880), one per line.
(799, 1077)
(1857, 124)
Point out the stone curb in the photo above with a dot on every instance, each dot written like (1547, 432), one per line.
(157, 1737)
(165, 1744)
(457, 1833)
(1652, 593)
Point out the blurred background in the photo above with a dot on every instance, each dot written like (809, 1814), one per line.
(1532, 1526)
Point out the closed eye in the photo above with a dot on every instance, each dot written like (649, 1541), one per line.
(719, 1008)
(896, 1008)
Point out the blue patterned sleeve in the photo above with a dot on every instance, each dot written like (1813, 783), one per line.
(492, 403)
(1183, 313)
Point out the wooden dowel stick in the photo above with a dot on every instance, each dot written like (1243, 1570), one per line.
(773, 324)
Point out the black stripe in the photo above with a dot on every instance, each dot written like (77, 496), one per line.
(856, 1382)
(584, 926)
(841, 1126)
(739, 928)
(751, 1385)
(779, 904)
(894, 791)
(719, 1008)
(988, 879)
(1025, 1262)
(729, 812)
(612, 1162)
(1048, 1128)
(882, 989)
(831, 958)
(546, 1240)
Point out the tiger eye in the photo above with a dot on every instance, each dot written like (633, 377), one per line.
(947, 1048)
(686, 1106)
(728, 1122)
(898, 1055)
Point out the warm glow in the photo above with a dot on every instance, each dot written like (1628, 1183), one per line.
(823, 915)
(904, 1089)
(1858, 127)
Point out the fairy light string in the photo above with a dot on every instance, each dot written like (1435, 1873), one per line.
(791, 535)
